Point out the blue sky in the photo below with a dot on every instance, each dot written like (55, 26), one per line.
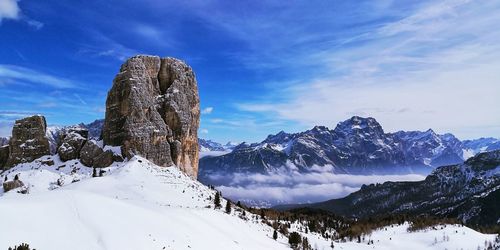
(263, 66)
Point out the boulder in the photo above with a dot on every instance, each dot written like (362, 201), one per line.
(89, 152)
(9, 185)
(72, 143)
(28, 140)
(104, 160)
(153, 110)
(92, 155)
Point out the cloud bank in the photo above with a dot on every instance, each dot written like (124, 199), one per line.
(287, 187)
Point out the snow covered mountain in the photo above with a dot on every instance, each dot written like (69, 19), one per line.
(211, 148)
(468, 191)
(4, 141)
(356, 146)
(482, 145)
(136, 205)
(53, 132)
(209, 145)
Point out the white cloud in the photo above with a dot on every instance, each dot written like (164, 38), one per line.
(207, 110)
(34, 23)
(284, 187)
(9, 9)
(204, 131)
(11, 74)
(437, 67)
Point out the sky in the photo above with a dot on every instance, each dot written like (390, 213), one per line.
(263, 66)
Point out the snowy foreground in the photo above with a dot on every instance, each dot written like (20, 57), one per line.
(137, 205)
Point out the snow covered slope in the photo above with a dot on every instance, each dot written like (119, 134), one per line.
(398, 237)
(134, 206)
(138, 205)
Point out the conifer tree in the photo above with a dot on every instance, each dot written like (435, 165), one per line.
(294, 239)
(16, 178)
(217, 200)
(94, 173)
(275, 235)
(228, 207)
(305, 244)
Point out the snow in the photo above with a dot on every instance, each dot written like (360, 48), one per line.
(135, 206)
(467, 153)
(115, 149)
(397, 237)
(138, 205)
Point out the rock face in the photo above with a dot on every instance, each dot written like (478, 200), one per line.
(153, 110)
(4, 155)
(28, 140)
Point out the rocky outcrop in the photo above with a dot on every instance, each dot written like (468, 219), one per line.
(28, 140)
(105, 159)
(89, 152)
(9, 185)
(4, 156)
(72, 143)
(153, 110)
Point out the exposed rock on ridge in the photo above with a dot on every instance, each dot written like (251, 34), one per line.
(153, 110)
(28, 140)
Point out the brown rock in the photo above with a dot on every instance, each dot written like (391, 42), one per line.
(104, 160)
(48, 162)
(153, 110)
(89, 152)
(9, 185)
(4, 155)
(28, 140)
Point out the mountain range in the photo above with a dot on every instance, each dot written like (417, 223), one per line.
(355, 146)
(469, 191)
(207, 145)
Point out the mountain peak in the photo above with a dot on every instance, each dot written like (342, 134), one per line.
(359, 123)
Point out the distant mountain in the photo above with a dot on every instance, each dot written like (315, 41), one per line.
(53, 132)
(208, 145)
(4, 141)
(482, 145)
(211, 148)
(94, 128)
(468, 191)
(356, 146)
